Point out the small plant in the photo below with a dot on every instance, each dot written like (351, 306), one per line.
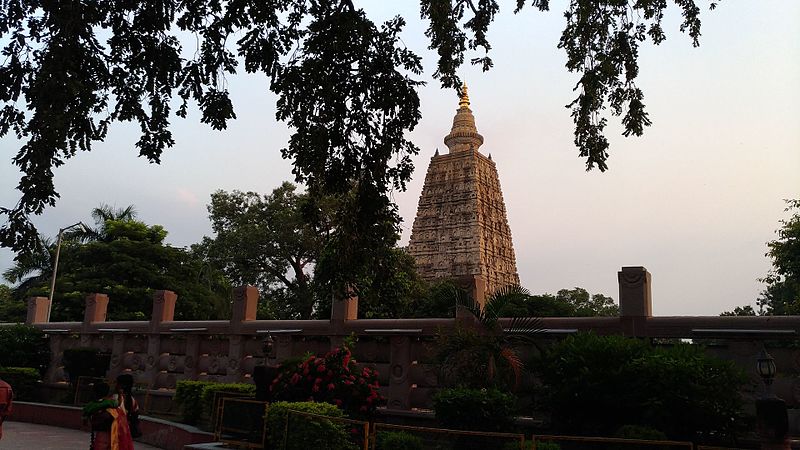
(398, 440)
(334, 378)
(304, 432)
(474, 409)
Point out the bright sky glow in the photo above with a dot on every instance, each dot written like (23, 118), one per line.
(694, 200)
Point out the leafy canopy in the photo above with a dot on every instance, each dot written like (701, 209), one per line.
(344, 84)
(127, 260)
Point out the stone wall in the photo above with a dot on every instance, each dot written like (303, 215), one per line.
(161, 352)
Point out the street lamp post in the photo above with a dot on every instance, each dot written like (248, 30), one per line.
(771, 415)
(55, 265)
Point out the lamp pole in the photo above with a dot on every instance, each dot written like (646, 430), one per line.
(55, 265)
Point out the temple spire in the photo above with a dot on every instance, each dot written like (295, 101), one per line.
(464, 101)
(464, 135)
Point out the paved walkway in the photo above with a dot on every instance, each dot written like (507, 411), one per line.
(27, 436)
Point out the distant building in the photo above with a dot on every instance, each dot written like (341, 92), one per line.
(461, 230)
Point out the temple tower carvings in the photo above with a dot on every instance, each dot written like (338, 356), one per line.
(461, 230)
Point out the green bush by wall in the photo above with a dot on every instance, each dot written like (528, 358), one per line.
(398, 440)
(24, 346)
(595, 384)
(196, 397)
(304, 433)
(23, 381)
(474, 409)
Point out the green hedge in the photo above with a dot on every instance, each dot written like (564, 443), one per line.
(24, 346)
(196, 397)
(474, 409)
(398, 440)
(317, 434)
(23, 381)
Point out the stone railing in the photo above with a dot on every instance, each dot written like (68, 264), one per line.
(162, 351)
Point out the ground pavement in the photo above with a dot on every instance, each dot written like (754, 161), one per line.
(31, 436)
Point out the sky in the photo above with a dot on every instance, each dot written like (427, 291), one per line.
(694, 200)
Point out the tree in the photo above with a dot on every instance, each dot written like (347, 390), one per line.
(344, 85)
(782, 294)
(265, 241)
(575, 302)
(127, 261)
(746, 310)
(275, 243)
(486, 354)
(11, 310)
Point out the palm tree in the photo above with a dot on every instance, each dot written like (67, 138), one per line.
(488, 352)
(33, 269)
(102, 215)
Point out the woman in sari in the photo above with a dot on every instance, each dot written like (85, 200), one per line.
(108, 422)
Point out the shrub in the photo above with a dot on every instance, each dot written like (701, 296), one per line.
(317, 434)
(474, 409)
(593, 385)
(188, 395)
(24, 346)
(334, 378)
(640, 432)
(398, 440)
(23, 381)
(209, 389)
(196, 397)
(85, 362)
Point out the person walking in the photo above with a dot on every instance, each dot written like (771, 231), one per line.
(128, 402)
(107, 421)
(6, 400)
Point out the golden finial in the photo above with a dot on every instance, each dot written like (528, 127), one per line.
(464, 101)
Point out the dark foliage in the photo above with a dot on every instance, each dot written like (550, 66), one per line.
(344, 86)
(595, 384)
(24, 346)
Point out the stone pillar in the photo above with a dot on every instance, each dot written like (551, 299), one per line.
(163, 311)
(192, 355)
(341, 312)
(477, 289)
(54, 372)
(635, 300)
(37, 310)
(346, 309)
(399, 390)
(163, 308)
(245, 301)
(96, 309)
(235, 354)
(117, 353)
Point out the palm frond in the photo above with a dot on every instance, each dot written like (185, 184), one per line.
(513, 360)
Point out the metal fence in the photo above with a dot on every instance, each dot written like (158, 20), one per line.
(603, 443)
(241, 422)
(446, 439)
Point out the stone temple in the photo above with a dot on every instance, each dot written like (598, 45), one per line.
(461, 230)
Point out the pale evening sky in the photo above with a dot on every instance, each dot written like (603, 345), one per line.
(694, 200)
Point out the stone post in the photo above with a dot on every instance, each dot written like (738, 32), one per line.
(245, 301)
(163, 311)
(635, 300)
(399, 390)
(163, 308)
(342, 311)
(96, 309)
(37, 310)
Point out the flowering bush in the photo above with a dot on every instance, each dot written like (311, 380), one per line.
(334, 378)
